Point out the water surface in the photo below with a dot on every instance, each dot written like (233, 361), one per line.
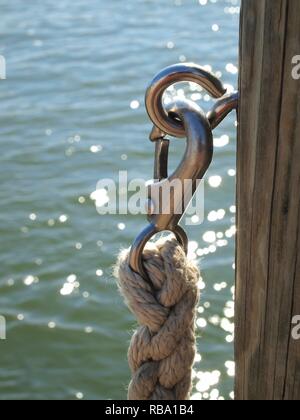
(71, 113)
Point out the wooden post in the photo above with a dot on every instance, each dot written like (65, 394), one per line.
(268, 196)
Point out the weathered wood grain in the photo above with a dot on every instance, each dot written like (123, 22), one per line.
(268, 197)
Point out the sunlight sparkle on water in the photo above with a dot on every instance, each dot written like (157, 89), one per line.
(230, 232)
(232, 10)
(215, 181)
(229, 309)
(29, 280)
(215, 215)
(207, 380)
(193, 245)
(67, 289)
(232, 172)
(63, 218)
(221, 141)
(96, 148)
(222, 242)
(230, 368)
(134, 104)
(227, 326)
(220, 286)
(194, 87)
(201, 322)
(196, 97)
(209, 236)
(198, 358)
(70, 285)
(170, 45)
(88, 330)
(208, 67)
(231, 68)
(71, 278)
(201, 284)
(100, 197)
(232, 209)
(212, 249)
(195, 219)
(215, 320)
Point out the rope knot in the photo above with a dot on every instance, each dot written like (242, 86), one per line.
(162, 349)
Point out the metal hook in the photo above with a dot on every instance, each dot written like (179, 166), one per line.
(222, 108)
(182, 118)
(215, 116)
(191, 72)
(166, 203)
(180, 72)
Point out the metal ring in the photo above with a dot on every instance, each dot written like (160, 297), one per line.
(187, 72)
(136, 251)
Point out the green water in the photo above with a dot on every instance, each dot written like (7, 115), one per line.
(73, 70)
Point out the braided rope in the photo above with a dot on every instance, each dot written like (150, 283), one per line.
(162, 349)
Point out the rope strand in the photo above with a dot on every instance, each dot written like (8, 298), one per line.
(162, 349)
